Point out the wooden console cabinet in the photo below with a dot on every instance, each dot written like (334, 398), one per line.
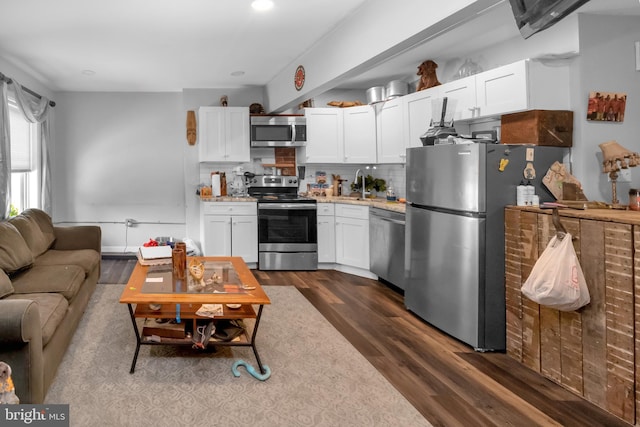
(595, 351)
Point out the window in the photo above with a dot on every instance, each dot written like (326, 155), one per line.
(24, 160)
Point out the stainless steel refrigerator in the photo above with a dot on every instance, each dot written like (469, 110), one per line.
(454, 263)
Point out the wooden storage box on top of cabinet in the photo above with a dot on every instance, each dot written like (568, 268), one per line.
(538, 127)
(595, 351)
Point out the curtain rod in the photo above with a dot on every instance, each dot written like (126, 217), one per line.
(26, 89)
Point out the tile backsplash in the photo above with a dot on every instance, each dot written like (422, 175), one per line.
(390, 173)
(394, 173)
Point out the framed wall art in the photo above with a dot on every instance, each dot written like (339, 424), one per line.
(606, 106)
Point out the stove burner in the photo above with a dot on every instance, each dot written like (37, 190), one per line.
(282, 198)
(273, 189)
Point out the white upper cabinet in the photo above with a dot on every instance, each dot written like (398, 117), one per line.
(382, 134)
(359, 134)
(523, 85)
(325, 138)
(341, 135)
(461, 98)
(391, 128)
(501, 90)
(223, 134)
(417, 115)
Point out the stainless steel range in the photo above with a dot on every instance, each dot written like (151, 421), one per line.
(287, 224)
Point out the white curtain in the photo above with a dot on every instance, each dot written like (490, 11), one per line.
(5, 154)
(38, 111)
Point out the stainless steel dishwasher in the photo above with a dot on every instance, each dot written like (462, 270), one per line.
(386, 245)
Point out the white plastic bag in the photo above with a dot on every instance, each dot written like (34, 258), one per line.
(556, 279)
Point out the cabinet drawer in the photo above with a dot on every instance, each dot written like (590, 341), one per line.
(326, 209)
(224, 208)
(352, 211)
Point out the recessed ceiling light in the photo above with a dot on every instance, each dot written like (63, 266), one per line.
(88, 72)
(237, 73)
(262, 5)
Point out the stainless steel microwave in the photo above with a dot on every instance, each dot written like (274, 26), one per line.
(278, 131)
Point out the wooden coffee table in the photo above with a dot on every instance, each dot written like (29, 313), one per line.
(230, 282)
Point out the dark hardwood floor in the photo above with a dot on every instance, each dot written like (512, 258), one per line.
(447, 381)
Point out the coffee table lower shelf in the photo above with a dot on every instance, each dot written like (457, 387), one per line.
(246, 339)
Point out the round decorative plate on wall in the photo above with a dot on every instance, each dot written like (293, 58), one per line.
(298, 78)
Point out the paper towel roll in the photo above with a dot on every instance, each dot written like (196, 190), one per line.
(215, 185)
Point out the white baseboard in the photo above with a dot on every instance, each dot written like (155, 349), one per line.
(356, 271)
(121, 250)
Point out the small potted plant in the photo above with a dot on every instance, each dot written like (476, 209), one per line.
(372, 186)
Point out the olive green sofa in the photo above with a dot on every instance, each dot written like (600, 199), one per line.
(47, 275)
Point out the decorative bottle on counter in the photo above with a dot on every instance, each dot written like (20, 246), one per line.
(179, 260)
(634, 199)
(521, 194)
(391, 195)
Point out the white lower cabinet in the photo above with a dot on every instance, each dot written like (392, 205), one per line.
(352, 235)
(230, 229)
(326, 233)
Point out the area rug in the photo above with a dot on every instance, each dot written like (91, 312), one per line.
(317, 377)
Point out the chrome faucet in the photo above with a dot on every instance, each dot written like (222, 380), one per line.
(356, 180)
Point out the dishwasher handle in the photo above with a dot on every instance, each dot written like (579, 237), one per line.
(393, 221)
(376, 216)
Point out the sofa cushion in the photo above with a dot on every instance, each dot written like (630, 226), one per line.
(44, 222)
(52, 309)
(28, 226)
(63, 279)
(6, 288)
(14, 251)
(87, 259)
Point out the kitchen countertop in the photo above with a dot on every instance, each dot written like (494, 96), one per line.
(228, 199)
(378, 202)
(608, 215)
(375, 203)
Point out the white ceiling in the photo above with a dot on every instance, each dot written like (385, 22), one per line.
(131, 46)
(491, 27)
(160, 45)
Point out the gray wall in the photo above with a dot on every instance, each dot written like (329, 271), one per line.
(118, 156)
(607, 63)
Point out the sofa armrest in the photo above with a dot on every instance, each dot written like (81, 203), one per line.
(19, 322)
(21, 347)
(78, 237)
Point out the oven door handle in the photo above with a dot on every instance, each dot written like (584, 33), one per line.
(287, 206)
(293, 133)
